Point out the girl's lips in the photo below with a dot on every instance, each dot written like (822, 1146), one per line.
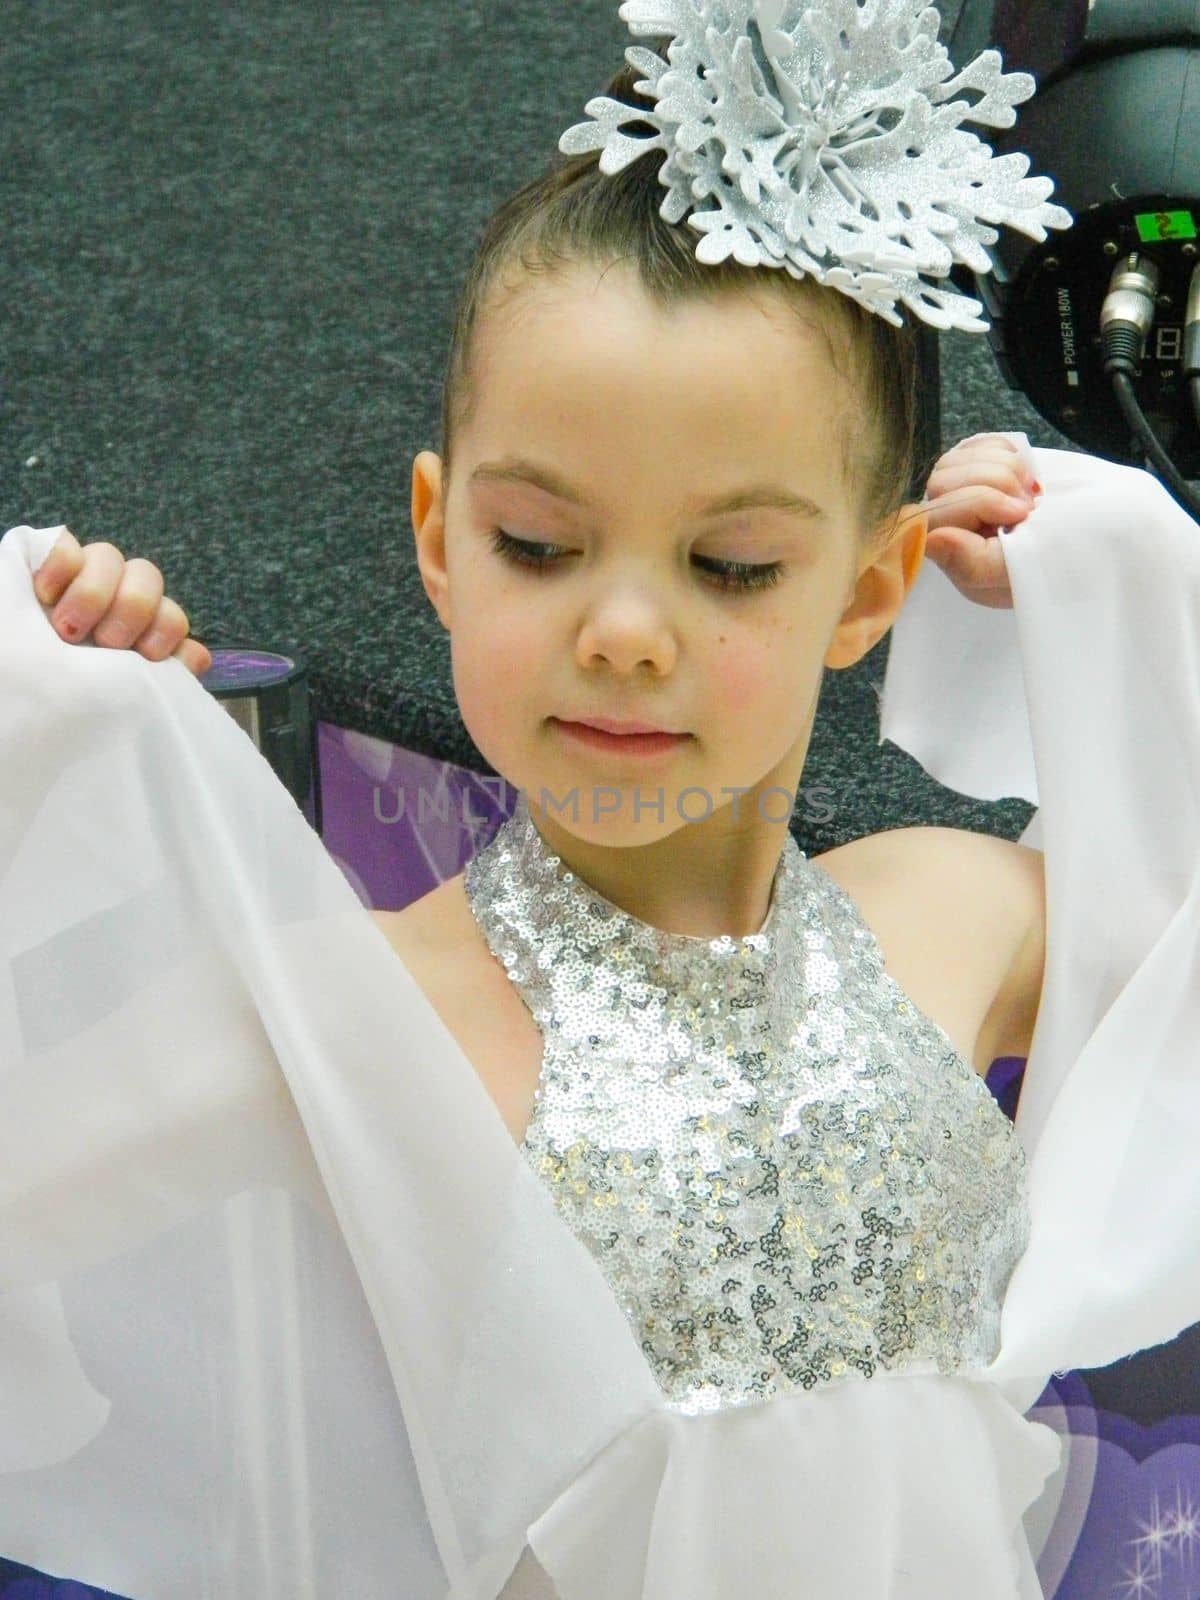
(625, 744)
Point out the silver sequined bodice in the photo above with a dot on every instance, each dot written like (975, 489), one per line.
(786, 1172)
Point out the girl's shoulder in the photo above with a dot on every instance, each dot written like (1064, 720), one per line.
(440, 944)
(426, 932)
(961, 919)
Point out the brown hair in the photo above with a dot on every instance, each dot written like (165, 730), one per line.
(574, 213)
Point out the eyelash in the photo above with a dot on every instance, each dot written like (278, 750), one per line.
(729, 575)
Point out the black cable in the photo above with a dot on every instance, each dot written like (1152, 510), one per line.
(1170, 476)
(1126, 318)
(1191, 342)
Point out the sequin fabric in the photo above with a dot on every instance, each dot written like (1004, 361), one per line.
(786, 1172)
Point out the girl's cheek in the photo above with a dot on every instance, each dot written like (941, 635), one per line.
(741, 681)
(487, 714)
(477, 687)
(497, 672)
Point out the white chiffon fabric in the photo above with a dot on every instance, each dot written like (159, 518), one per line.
(284, 1312)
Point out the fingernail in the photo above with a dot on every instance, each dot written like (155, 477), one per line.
(69, 625)
(155, 640)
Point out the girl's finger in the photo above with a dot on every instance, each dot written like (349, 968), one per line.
(90, 593)
(985, 441)
(1008, 474)
(196, 657)
(976, 507)
(980, 452)
(59, 567)
(975, 566)
(134, 607)
(165, 632)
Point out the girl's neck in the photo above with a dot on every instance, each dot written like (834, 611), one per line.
(704, 880)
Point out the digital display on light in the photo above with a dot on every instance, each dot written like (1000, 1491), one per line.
(1155, 226)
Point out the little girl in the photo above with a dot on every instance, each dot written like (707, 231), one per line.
(714, 1304)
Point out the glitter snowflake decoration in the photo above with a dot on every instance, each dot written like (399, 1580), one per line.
(829, 139)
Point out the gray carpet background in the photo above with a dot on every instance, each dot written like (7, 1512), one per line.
(233, 240)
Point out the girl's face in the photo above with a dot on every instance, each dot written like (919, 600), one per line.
(645, 422)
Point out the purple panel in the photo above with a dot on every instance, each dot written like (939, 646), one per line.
(398, 823)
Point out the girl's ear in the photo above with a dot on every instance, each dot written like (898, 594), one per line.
(426, 487)
(429, 529)
(881, 589)
(914, 528)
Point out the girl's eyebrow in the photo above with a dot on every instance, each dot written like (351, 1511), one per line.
(517, 469)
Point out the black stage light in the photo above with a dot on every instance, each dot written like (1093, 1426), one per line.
(1099, 325)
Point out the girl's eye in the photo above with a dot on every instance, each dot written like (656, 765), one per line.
(523, 553)
(728, 574)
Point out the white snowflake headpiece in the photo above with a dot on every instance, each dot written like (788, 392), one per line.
(789, 141)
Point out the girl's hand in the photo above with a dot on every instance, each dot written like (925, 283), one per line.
(976, 488)
(122, 601)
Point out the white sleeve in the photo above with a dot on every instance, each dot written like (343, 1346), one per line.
(953, 692)
(1085, 699)
(282, 1311)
